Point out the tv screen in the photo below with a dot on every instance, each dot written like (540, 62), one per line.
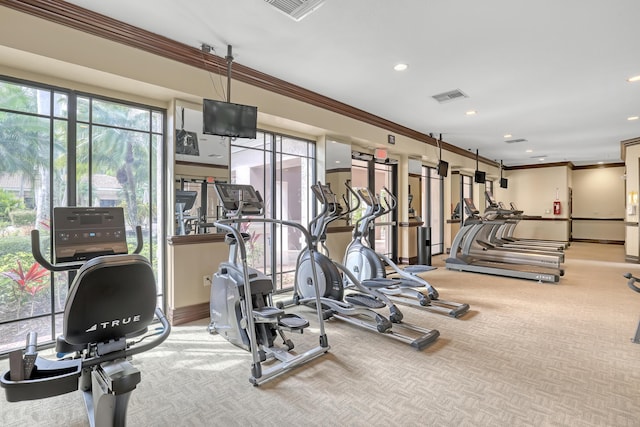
(480, 177)
(504, 182)
(227, 119)
(443, 168)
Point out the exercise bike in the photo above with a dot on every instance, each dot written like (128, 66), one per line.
(357, 308)
(632, 285)
(108, 313)
(241, 304)
(366, 263)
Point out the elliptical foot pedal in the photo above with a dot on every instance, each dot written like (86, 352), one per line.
(293, 322)
(269, 313)
(364, 301)
(380, 282)
(416, 269)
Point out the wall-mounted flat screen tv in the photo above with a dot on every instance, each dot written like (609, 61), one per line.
(227, 119)
(443, 168)
(504, 182)
(480, 177)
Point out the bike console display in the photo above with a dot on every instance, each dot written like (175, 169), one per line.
(83, 233)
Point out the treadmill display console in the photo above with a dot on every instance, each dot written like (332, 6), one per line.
(83, 233)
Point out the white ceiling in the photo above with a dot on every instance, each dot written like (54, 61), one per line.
(552, 72)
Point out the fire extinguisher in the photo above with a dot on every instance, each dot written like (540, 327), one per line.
(557, 207)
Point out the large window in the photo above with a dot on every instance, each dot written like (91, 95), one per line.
(466, 192)
(378, 176)
(62, 148)
(433, 207)
(282, 169)
(488, 187)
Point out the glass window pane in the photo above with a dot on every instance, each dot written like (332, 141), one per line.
(120, 115)
(294, 146)
(24, 99)
(82, 109)
(82, 164)
(60, 105)
(120, 172)
(157, 122)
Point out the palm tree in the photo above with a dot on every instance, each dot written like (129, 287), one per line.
(25, 141)
(120, 148)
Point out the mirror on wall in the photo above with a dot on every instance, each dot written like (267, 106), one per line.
(414, 204)
(337, 168)
(200, 161)
(194, 146)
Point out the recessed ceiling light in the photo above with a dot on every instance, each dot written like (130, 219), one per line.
(541, 159)
(400, 67)
(633, 118)
(633, 79)
(508, 135)
(529, 151)
(471, 113)
(601, 163)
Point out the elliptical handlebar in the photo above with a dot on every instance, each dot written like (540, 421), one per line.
(317, 191)
(224, 224)
(344, 196)
(73, 265)
(356, 226)
(390, 206)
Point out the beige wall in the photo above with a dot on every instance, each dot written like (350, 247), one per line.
(534, 191)
(598, 194)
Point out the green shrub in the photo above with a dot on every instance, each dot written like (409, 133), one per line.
(13, 244)
(8, 202)
(23, 217)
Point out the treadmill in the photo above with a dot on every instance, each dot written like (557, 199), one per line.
(518, 215)
(462, 259)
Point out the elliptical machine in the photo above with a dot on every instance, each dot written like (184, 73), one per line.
(241, 304)
(111, 300)
(632, 285)
(366, 263)
(357, 308)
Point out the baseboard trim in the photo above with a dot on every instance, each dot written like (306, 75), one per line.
(189, 313)
(411, 260)
(604, 242)
(631, 259)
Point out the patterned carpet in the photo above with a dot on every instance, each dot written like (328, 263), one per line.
(527, 354)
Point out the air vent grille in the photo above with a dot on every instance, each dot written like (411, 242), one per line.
(513, 141)
(449, 96)
(296, 9)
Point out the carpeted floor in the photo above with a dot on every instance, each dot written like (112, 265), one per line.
(527, 354)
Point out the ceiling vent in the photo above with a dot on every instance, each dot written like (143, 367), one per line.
(449, 96)
(296, 9)
(513, 141)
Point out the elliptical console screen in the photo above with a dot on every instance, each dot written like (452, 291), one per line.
(82, 233)
(230, 195)
(323, 192)
(365, 195)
